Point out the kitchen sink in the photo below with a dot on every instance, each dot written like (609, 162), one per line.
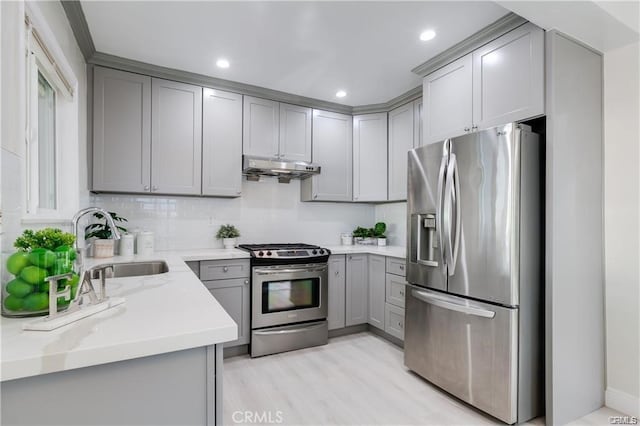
(131, 269)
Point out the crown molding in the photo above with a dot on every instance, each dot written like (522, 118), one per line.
(406, 97)
(78, 22)
(500, 27)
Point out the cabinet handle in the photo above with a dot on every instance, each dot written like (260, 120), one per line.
(155, 188)
(225, 269)
(402, 267)
(246, 281)
(350, 257)
(337, 273)
(474, 128)
(402, 293)
(400, 325)
(146, 187)
(315, 196)
(466, 129)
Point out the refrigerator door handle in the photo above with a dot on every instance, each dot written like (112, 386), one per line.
(452, 198)
(439, 207)
(442, 302)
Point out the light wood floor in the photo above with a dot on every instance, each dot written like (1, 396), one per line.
(358, 379)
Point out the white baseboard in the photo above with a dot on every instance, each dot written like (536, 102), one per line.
(622, 401)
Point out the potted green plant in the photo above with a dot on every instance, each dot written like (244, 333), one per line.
(378, 232)
(363, 236)
(101, 233)
(229, 235)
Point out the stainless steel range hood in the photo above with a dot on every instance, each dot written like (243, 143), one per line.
(284, 170)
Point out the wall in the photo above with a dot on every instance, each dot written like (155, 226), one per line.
(13, 85)
(395, 216)
(268, 211)
(621, 214)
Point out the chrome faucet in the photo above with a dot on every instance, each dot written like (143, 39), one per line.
(115, 233)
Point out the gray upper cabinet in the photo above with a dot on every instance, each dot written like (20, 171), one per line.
(295, 133)
(332, 150)
(377, 292)
(418, 127)
(336, 305)
(357, 306)
(221, 143)
(121, 131)
(508, 78)
(447, 97)
(370, 157)
(176, 138)
(401, 140)
(261, 127)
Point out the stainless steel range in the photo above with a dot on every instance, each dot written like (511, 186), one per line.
(288, 297)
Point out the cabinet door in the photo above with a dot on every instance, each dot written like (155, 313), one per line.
(336, 292)
(508, 78)
(370, 157)
(221, 143)
(260, 127)
(377, 292)
(401, 140)
(121, 131)
(418, 120)
(394, 321)
(332, 151)
(233, 295)
(176, 138)
(357, 284)
(295, 133)
(395, 288)
(447, 101)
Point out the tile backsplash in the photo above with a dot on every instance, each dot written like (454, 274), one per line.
(268, 211)
(395, 216)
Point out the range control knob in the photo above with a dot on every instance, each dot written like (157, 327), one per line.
(260, 253)
(315, 252)
(268, 253)
(322, 251)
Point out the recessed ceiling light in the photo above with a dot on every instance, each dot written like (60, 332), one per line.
(222, 63)
(427, 35)
(341, 94)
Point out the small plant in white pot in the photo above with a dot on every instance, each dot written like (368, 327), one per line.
(103, 243)
(229, 235)
(378, 231)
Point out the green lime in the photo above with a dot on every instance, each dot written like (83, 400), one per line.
(66, 251)
(17, 262)
(62, 302)
(44, 287)
(36, 302)
(33, 274)
(13, 303)
(18, 288)
(42, 257)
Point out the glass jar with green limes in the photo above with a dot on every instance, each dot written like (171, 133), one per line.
(40, 254)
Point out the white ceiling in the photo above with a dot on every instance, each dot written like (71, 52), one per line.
(603, 25)
(304, 48)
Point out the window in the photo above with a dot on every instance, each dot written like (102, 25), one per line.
(52, 159)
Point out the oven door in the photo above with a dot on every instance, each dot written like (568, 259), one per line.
(288, 294)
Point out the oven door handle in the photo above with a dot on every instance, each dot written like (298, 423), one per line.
(260, 271)
(289, 330)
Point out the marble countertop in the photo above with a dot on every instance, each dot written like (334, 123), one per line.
(162, 313)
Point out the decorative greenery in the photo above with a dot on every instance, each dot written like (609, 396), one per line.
(361, 232)
(379, 229)
(227, 231)
(102, 230)
(48, 238)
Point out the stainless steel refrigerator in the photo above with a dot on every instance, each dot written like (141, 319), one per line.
(473, 321)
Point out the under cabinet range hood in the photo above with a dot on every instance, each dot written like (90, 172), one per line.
(284, 170)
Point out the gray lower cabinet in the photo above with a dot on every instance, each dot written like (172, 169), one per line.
(376, 290)
(395, 288)
(121, 131)
(394, 320)
(176, 138)
(332, 150)
(357, 290)
(337, 281)
(221, 143)
(234, 296)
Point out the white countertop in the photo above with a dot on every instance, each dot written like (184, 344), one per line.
(162, 313)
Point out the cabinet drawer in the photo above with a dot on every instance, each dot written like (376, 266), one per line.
(395, 288)
(396, 266)
(224, 269)
(394, 321)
